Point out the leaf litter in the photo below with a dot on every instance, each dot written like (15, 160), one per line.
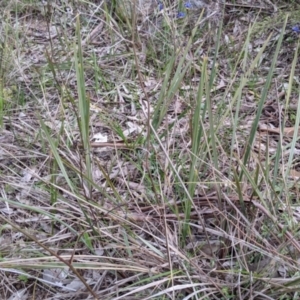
(134, 224)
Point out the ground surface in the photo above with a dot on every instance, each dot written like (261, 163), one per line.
(149, 153)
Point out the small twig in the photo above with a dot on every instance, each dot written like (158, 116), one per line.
(113, 145)
(67, 263)
(250, 6)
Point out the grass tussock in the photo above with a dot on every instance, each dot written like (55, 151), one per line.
(149, 153)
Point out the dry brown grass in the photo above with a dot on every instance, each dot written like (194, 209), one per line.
(159, 200)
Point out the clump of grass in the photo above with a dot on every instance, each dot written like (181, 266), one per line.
(148, 173)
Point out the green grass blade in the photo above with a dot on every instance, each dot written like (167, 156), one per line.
(83, 105)
(263, 97)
